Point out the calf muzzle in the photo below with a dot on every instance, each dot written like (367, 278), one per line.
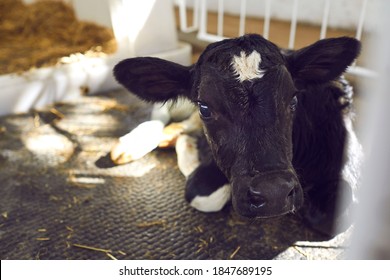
(268, 195)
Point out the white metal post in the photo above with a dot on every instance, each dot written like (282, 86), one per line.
(293, 27)
(220, 18)
(359, 29)
(242, 18)
(325, 17)
(267, 18)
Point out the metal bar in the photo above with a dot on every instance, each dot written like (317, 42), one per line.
(210, 37)
(182, 15)
(220, 18)
(196, 15)
(362, 16)
(203, 19)
(242, 18)
(362, 72)
(325, 17)
(293, 27)
(267, 18)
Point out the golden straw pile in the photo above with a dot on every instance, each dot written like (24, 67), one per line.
(41, 33)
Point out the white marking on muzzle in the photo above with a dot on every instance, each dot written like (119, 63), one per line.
(247, 67)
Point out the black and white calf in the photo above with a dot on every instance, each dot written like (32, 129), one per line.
(276, 124)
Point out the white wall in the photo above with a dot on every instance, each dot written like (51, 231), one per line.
(93, 10)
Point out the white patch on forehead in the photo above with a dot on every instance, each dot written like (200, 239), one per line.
(247, 67)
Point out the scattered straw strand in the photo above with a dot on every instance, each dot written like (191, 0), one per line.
(91, 248)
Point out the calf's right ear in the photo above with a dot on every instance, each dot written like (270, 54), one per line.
(154, 79)
(324, 60)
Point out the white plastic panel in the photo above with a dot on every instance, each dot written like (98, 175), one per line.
(155, 35)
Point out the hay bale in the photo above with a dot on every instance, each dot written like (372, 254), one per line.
(41, 33)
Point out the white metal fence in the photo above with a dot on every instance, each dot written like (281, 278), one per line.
(200, 9)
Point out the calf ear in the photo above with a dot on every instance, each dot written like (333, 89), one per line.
(324, 60)
(153, 79)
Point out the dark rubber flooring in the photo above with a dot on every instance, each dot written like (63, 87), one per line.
(62, 198)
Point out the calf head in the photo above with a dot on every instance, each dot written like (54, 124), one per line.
(246, 91)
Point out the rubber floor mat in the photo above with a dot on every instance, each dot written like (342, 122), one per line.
(62, 198)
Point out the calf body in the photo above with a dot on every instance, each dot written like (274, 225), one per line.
(274, 124)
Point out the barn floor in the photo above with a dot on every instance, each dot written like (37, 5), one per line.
(62, 198)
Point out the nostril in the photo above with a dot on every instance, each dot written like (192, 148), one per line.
(256, 199)
(290, 195)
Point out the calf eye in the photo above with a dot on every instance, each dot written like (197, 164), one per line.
(204, 110)
(294, 103)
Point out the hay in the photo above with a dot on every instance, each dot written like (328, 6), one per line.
(41, 33)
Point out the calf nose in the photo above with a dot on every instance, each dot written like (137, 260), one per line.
(273, 196)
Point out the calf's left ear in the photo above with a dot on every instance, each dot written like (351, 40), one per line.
(153, 79)
(324, 60)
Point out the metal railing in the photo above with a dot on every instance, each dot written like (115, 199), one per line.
(200, 22)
